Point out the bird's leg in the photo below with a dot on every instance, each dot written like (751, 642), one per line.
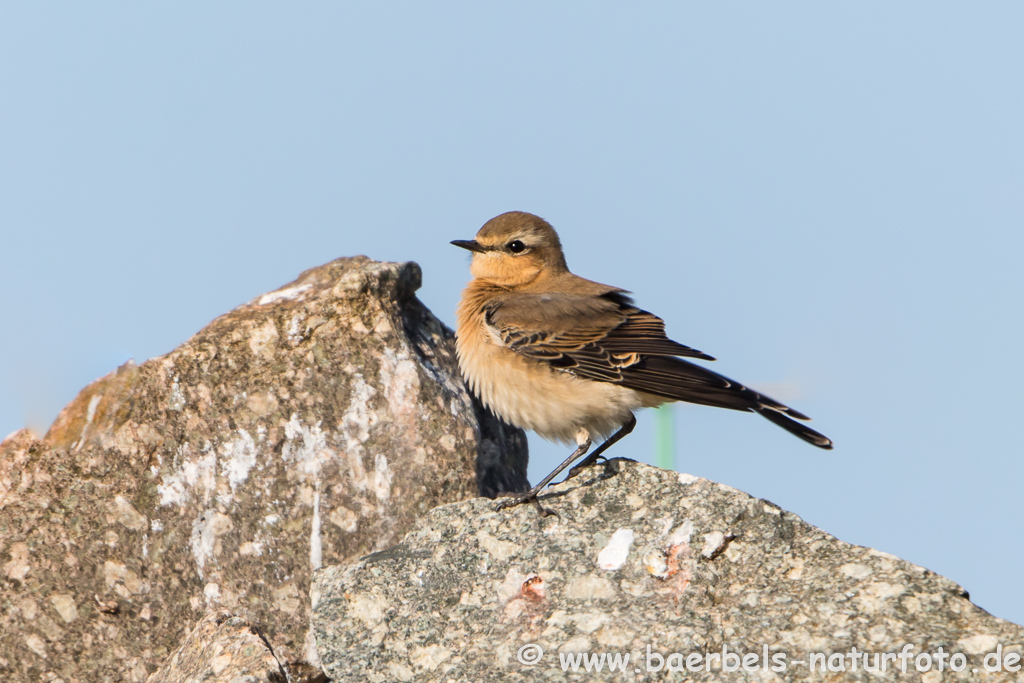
(592, 458)
(583, 445)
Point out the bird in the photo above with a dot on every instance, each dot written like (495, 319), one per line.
(572, 359)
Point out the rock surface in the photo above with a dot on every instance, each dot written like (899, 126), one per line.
(312, 425)
(639, 557)
(222, 649)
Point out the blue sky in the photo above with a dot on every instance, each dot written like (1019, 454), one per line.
(828, 198)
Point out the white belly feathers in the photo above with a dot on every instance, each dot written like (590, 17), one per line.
(552, 403)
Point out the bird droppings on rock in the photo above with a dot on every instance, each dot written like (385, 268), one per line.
(684, 587)
(614, 555)
(312, 425)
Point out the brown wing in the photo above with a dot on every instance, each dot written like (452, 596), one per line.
(557, 327)
(607, 339)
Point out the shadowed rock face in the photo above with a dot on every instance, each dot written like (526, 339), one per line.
(312, 425)
(639, 557)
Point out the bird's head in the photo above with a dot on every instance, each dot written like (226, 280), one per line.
(514, 249)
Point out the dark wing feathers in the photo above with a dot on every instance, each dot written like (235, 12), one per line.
(642, 332)
(607, 339)
(542, 325)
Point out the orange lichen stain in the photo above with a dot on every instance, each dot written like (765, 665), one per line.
(533, 589)
(682, 576)
(527, 605)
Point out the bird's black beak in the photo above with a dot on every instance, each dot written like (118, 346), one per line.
(472, 245)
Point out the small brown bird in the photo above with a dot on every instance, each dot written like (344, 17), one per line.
(572, 359)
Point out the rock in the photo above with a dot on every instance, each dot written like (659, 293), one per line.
(640, 557)
(222, 649)
(313, 424)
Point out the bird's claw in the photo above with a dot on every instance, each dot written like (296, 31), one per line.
(513, 501)
(584, 465)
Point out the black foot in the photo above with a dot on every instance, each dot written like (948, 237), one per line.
(584, 465)
(530, 497)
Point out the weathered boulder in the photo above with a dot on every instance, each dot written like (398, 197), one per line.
(222, 648)
(638, 558)
(311, 425)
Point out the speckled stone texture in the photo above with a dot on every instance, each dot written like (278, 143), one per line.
(222, 648)
(639, 557)
(312, 425)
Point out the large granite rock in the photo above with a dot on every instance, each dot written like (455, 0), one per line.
(641, 558)
(312, 425)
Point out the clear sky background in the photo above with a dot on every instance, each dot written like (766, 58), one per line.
(827, 197)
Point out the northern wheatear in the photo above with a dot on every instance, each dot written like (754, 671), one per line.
(572, 359)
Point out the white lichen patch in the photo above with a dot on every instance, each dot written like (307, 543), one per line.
(306, 447)
(191, 476)
(205, 531)
(614, 555)
(239, 456)
(354, 429)
(284, 294)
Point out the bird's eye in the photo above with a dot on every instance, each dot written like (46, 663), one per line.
(516, 247)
